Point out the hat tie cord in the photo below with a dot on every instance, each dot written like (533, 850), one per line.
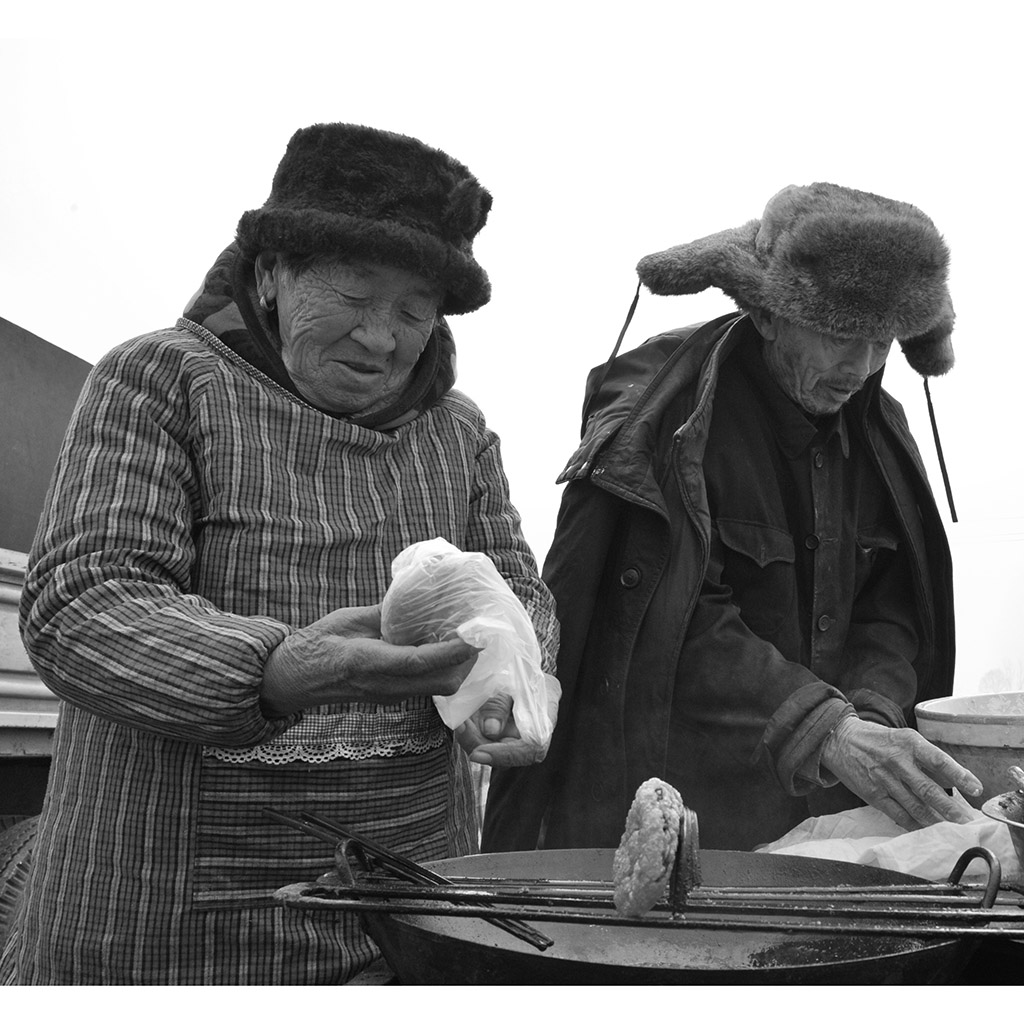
(938, 451)
(611, 359)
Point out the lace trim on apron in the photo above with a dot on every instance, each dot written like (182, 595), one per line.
(358, 732)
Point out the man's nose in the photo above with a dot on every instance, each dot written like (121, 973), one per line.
(859, 359)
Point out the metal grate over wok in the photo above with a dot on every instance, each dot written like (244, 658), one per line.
(371, 879)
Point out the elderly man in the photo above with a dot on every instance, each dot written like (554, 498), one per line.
(752, 577)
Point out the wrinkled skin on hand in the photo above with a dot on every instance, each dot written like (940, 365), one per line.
(898, 772)
(490, 737)
(341, 657)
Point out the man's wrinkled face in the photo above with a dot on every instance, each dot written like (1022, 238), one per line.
(350, 333)
(819, 372)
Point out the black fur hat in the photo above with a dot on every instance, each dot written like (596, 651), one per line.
(350, 192)
(831, 259)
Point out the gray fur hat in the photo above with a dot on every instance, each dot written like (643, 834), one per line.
(833, 260)
(345, 191)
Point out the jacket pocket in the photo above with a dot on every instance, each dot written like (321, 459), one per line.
(874, 544)
(758, 565)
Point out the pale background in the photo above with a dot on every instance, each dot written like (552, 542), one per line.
(131, 147)
(134, 135)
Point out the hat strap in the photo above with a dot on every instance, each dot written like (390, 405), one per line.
(599, 383)
(938, 450)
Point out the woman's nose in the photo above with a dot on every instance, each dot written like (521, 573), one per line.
(375, 333)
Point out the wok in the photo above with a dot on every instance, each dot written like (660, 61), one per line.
(453, 950)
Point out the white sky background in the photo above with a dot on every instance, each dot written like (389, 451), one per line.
(129, 150)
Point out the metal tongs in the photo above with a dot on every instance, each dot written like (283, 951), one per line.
(348, 843)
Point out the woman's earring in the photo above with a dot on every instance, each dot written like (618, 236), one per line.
(265, 305)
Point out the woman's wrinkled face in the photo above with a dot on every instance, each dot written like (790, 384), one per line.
(819, 372)
(351, 333)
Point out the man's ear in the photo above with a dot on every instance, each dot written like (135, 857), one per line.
(766, 324)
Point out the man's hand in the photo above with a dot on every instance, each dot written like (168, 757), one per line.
(490, 737)
(897, 771)
(341, 657)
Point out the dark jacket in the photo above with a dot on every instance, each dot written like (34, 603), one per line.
(626, 567)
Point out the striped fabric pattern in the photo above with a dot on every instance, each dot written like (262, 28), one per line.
(199, 513)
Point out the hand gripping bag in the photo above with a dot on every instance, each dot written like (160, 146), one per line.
(438, 592)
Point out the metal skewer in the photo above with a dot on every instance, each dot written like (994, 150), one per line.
(331, 831)
(975, 923)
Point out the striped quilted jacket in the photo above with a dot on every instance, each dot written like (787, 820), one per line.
(200, 511)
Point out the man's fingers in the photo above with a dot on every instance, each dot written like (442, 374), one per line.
(947, 772)
(892, 808)
(920, 799)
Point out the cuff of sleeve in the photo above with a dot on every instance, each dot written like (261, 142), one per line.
(811, 774)
(792, 740)
(875, 707)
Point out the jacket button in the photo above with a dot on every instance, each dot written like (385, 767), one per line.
(819, 459)
(630, 578)
(825, 623)
(811, 541)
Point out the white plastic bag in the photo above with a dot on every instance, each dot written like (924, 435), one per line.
(438, 592)
(865, 835)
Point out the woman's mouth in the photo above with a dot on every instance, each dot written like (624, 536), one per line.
(361, 369)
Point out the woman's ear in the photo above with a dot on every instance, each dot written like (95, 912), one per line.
(266, 278)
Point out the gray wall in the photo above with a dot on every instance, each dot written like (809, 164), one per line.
(39, 384)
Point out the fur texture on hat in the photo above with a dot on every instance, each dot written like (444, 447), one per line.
(834, 260)
(349, 192)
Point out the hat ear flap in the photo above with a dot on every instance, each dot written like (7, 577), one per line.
(725, 260)
(931, 353)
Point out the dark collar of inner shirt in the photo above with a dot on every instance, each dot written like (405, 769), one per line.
(795, 429)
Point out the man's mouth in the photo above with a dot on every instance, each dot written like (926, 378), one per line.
(845, 390)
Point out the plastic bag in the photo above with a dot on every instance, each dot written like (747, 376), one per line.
(865, 835)
(438, 592)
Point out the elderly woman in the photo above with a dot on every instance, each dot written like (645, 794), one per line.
(204, 589)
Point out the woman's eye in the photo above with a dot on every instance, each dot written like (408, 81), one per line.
(417, 317)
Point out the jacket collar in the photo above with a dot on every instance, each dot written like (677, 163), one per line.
(619, 436)
(627, 399)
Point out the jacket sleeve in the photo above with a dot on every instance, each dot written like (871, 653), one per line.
(107, 614)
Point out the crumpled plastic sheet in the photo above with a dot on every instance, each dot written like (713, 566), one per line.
(865, 835)
(438, 592)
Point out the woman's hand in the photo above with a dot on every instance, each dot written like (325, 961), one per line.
(341, 657)
(490, 737)
(897, 771)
